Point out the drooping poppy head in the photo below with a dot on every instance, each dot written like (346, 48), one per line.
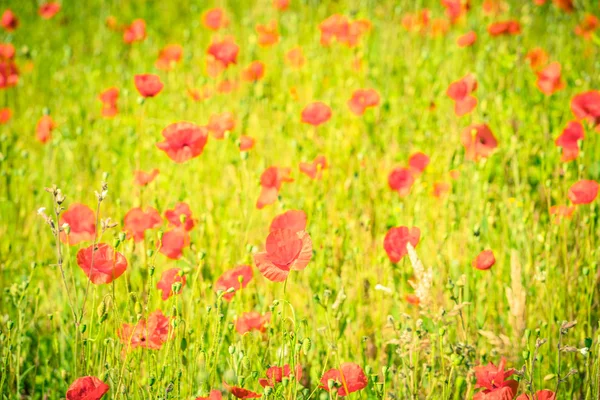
(44, 128)
(401, 181)
(136, 32)
(225, 51)
(587, 27)
(510, 27)
(181, 216)
(270, 181)
(494, 379)
(9, 20)
(295, 57)
(362, 99)
(539, 395)
(173, 242)
(396, 240)
(82, 224)
(246, 143)
(215, 19)
(294, 220)
(569, 139)
(5, 115)
(349, 378)
(276, 374)
(285, 250)
(268, 34)
(467, 40)
(169, 278)
(109, 102)
(214, 395)
(316, 113)
(537, 58)
(49, 10)
(418, 162)
(241, 393)
(218, 124)
(183, 141)
(101, 263)
(252, 321)
(254, 72)
(236, 279)
(583, 192)
(485, 260)
(87, 388)
(137, 221)
(169, 56)
(479, 141)
(314, 170)
(549, 80)
(150, 334)
(586, 106)
(142, 178)
(460, 91)
(148, 85)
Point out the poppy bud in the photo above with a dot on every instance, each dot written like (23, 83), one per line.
(132, 297)
(442, 331)
(151, 271)
(232, 350)
(152, 380)
(10, 324)
(83, 328)
(176, 287)
(525, 355)
(285, 381)
(244, 155)
(527, 334)
(103, 318)
(160, 235)
(306, 344)
(268, 390)
(122, 236)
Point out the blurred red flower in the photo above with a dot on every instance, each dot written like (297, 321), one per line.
(109, 102)
(294, 220)
(504, 28)
(586, 106)
(254, 72)
(549, 80)
(218, 124)
(466, 40)
(142, 178)
(252, 321)
(183, 141)
(169, 56)
(268, 34)
(181, 212)
(168, 279)
(137, 221)
(173, 242)
(316, 113)
(82, 224)
(583, 192)
(232, 278)
(136, 32)
(270, 181)
(484, 261)
(44, 128)
(539, 395)
(396, 240)
(314, 170)
(479, 141)
(241, 393)
(362, 99)
(87, 388)
(568, 140)
(276, 374)
(214, 395)
(49, 10)
(9, 20)
(246, 143)
(401, 180)
(349, 378)
(215, 19)
(494, 380)
(148, 85)
(101, 263)
(418, 162)
(460, 91)
(150, 334)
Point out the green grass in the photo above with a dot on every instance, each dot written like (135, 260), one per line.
(329, 313)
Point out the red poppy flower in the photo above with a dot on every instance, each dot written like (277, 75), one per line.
(416, 22)
(7, 51)
(102, 265)
(455, 9)
(314, 170)
(169, 56)
(466, 40)
(44, 128)
(504, 28)
(334, 27)
(181, 212)
(285, 250)
(460, 91)
(295, 57)
(254, 72)
(363, 99)
(440, 189)
(281, 5)
(396, 240)
(418, 162)
(294, 220)
(142, 178)
(539, 395)
(9, 73)
(565, 5)
(268, 34)
(220, 123)
(412, 299)
(87, 388)
(316, 113)
(168, 279)
(549, 80)
(587, 27)
(137, 221)
(148, 85)
(536, 58)
(149, 334)
(109, 102)
(485, 260)
(568, 139)
(173, 242)
(9, 20)
(561, 211)
(494, 379)
(246, 143)
(49, 10)
(583, 192)
(349, 378)
(227, 86)
(479, 141)
(214, 395)
(586, 106)
(183, 141)
(241, 393)
(136, 32)
(276, 374)
(270, 181)
(401, 180)
(5, 115)
(82, 224)
(231, 279)
(201, 94)
(215, 19)
(252, 321)
(224, 51)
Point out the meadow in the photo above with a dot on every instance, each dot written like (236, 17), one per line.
(299, 199)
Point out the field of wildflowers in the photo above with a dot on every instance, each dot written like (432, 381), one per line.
(299, 199)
